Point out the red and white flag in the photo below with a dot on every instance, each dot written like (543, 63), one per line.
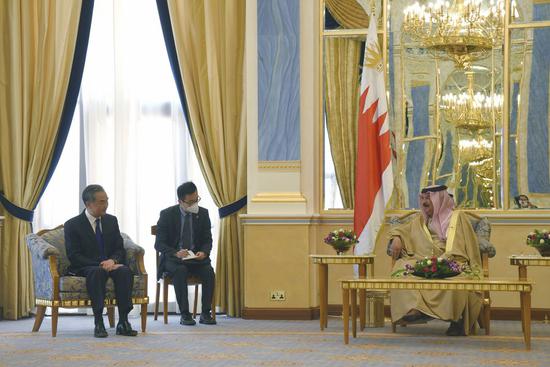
(373, 170)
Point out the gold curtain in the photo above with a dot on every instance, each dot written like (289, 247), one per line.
(342, 83)
(348, 13)
(209, 38)
(37, 45)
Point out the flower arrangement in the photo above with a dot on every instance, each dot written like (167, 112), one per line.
(341, 240)
(540, 239)
(434, 267)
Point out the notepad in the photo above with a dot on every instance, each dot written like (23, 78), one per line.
(190, 255)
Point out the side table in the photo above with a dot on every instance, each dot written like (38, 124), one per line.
(523, 261)
(323, 261)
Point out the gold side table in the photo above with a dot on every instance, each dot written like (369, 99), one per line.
(523, 261)
(350, 287)
(323, 262)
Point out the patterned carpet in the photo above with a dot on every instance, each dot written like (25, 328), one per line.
(237, 342)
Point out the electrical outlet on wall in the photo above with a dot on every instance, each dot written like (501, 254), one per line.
(278, 295)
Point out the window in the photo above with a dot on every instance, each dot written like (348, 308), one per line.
(128, 132)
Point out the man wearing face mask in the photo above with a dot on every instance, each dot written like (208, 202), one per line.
(438, 231)
(183, 229)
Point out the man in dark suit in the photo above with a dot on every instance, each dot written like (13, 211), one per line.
(95, 249)
(182, 229)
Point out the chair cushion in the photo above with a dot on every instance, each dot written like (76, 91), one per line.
(73, 287)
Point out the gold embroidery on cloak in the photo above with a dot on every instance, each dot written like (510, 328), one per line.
(451, 231)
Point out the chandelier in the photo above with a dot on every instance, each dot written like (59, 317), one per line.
(463, 31)
(471, 99)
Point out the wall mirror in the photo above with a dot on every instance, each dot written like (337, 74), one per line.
(468, 104)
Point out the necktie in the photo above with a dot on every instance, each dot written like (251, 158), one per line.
(99, 239)
(186, 235)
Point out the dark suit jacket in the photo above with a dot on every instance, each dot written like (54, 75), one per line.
(81, 245)
(168, 234)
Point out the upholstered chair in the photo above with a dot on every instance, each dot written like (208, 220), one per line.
(54, 287)
(482, 228)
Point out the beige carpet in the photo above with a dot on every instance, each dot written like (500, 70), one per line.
(237, 342)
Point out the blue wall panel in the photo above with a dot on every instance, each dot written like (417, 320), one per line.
(278, 80)
(415, 153)
(537, 120)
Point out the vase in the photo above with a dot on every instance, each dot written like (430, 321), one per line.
(341, 248)
(544, 251)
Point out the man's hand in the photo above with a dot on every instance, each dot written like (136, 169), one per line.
(109, 265)
(182, 253)
(200, 255)
(396, 247)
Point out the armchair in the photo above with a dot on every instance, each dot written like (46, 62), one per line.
(55, 288)
(482, 229)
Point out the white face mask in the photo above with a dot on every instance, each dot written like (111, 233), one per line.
(193, 208)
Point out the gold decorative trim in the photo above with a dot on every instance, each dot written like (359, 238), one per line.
(280, 165)
(278, 197)
(451, 232)
(535, 24)
(440, 284)
(342, 259)
(83, 302)
(420, 83)
(529, 260)
(509, 214)
(348, 32)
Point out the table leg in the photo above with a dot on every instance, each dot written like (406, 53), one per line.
(522, 270)
(353, 305)
(323, 295)
(522, 315)
(345, 314)
(487, 315)
(362, 299)
(526, 318)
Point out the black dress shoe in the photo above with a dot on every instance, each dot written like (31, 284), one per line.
(124, 328)
(417, 318)
(187, 319)
(207, 319)
(456, 329)
(99, 331)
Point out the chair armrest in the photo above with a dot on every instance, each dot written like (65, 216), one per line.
(395, 221)
(44, 259)
(483, 232)
(486, 247)
(134, 255)
(388, 248)
(40, 248)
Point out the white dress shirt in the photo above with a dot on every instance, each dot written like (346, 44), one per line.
(92, 220)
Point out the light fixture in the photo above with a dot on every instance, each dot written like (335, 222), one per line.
(471, 98)
(463, 31)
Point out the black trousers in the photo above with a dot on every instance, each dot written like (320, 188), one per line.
(180, 270)
(96, 280)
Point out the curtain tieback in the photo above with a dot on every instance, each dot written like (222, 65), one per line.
(19, 213)
(234, 207)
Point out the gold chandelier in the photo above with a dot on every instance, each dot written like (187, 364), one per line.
(463, 31)
(472, 98)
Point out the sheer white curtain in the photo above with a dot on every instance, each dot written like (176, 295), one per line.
(134, 140)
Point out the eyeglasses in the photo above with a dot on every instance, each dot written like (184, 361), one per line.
(192, 201)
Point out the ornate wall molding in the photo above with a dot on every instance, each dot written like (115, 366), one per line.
(279, 197)
(280, 165)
